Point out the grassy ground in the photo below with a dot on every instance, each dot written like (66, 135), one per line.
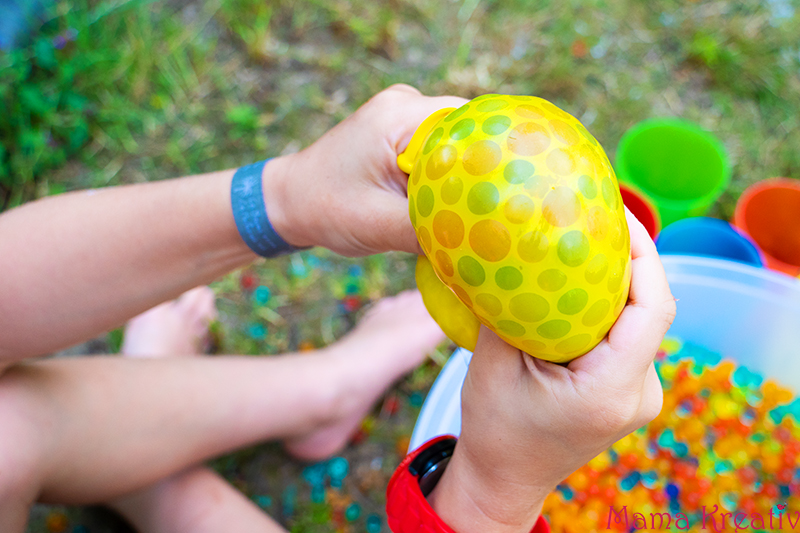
(133, 90)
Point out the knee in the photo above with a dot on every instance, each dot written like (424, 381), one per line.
(194, 498)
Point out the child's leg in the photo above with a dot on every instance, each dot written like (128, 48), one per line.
(195, 501)
(96, 428)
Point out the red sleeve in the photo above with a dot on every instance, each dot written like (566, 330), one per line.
(407, 509)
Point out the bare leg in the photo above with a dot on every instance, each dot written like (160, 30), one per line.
(405, 321)
(97, 428)
(197, 500)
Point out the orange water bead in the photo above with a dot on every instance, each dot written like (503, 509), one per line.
(740, 428)
(658, 497)
(770, 461)
(690, 389)
(726, 482)
(592, 473)
(638, 498)
(692, 500)
(722, 373)
(698, 404)
(709, 500)
(784, 395)
(683, 372)
(751, 448)
(774, 395)
(763, 501)
(56, 522)
(784, 475)
(578, 479)
(788, 459)
(680, 390)
(719, 430)
(594, 510)
(559, 516)
(771, 490)
(630, 460)
(747, 505)
(663, 466)
(659, 423)
(747, 475)
(726, 445)
(690, 430)
(685, 470)
(792, 447)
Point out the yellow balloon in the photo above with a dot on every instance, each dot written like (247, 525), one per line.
(456, 319)
(519, 213)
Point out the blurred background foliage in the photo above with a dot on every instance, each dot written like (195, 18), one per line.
(109, 92)
(122, 91)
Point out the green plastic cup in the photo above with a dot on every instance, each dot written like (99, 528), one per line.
(682, 168)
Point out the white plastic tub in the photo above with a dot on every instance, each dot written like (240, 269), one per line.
(742, 312)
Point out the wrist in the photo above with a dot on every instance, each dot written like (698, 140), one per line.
(472, 498)
(288, 220)
(417, 477)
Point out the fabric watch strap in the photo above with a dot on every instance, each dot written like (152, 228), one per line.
(407, 509)
(250, 213)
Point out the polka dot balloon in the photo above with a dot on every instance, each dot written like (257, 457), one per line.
(519, 213)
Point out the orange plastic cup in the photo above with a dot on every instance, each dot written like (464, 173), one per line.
(769, 212)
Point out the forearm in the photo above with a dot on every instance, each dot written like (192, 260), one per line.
(469, 501)
(82, 263)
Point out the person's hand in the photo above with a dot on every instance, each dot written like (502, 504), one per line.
(527, 424)
(345, 191)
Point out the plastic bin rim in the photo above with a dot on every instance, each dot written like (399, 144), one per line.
(743, 269)
(652, 123)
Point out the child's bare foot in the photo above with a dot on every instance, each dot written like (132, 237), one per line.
(391, 340)
(177, 327)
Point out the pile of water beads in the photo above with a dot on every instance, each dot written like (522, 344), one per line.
(724, 438)
(328, 505)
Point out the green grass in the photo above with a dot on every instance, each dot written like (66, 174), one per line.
(148, 90)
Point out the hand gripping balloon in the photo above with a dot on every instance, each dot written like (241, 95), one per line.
(521, 220)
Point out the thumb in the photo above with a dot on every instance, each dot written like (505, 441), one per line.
(397, 232)
(416, 112)
(496, 361)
